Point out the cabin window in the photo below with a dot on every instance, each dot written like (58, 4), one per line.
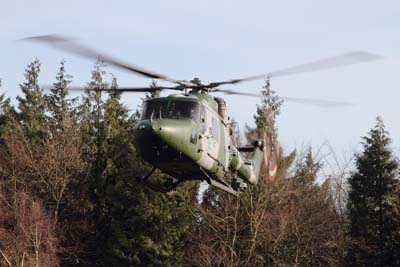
(214, 129)
(158, 109)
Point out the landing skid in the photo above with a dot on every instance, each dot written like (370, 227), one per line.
(223, 186)
(171, 186)
(144, 178)
(220, 184)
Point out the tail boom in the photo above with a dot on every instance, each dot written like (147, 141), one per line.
(248, 169)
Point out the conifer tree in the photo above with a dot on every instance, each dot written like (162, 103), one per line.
(82, 223)
(58, 105)
(32, 105)
(91, 112)
(374, 222)
(269, 103)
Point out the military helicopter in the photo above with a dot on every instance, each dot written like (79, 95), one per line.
(188, 135)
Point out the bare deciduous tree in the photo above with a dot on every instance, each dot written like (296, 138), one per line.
(51, 168)
(27, 234)
(282, 223)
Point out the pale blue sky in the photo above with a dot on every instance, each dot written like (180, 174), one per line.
(217, 40)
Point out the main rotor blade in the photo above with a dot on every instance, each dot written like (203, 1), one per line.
(67, 44)
(120, 89)
(306, 101)
(346, 59)
(317, 102)
(233, 92)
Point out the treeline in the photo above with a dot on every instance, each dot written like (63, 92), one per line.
(69, 197)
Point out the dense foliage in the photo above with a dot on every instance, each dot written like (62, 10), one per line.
(69, 197)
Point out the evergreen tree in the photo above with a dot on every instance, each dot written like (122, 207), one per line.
(116, 124)
(90, 114)
(32, 105)
(270, 106)
(373, 208)
(90, 119)
(58, 105)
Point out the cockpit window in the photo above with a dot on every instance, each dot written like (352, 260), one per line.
(153, 109)
(170, 109)
(183, 109)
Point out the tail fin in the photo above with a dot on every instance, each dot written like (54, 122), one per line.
(271, 154)
(271, 145)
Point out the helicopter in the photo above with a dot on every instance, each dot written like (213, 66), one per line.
(189, 134)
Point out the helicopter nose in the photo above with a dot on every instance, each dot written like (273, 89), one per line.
(168, 131)
(176, 134)
(156, 135)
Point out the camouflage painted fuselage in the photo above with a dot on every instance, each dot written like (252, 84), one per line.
(192, 143)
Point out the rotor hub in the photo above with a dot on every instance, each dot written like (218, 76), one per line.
(197, 81)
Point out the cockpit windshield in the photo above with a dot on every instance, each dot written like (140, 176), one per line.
(171, 109)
